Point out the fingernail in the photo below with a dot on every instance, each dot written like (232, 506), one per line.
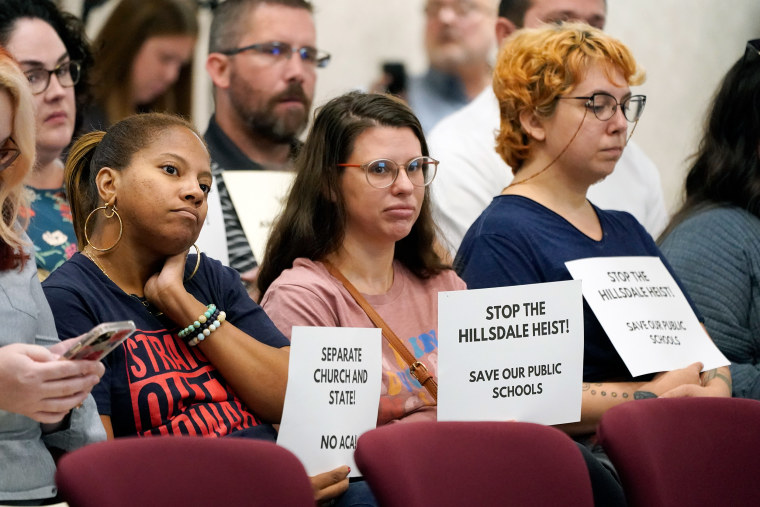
(349, 469)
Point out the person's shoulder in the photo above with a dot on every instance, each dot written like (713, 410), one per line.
(71, 273)
(510, 218)
(510, 213)
(304, 273)
(722, 216)
(447, 280)
(716, 224)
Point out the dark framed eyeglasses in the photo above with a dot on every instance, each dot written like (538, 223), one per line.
(67, 73)
(381, 173)
(281, 51)
(604, 105)
(9, 152)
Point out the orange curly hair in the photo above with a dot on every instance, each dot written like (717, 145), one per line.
(535, 66)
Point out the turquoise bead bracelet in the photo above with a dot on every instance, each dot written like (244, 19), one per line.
(214, 323)
(202, 319)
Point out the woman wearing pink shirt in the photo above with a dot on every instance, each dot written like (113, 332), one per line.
(360, 204)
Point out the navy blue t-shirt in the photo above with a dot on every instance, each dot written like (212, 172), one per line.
(517, 241)
(155, 384)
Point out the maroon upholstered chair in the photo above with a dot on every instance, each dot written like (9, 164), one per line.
(473, 463)
(186, 471)
(685, 451)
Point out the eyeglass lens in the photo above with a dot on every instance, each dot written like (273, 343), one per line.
(383, 172)
(67, 74)
(460, 7)
(604, 106)
(283, 51)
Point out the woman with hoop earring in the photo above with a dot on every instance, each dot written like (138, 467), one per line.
(565, 106)
(205, 359)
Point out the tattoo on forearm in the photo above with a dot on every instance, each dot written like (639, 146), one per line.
(595, 389)
(643, 395)
(709, 375)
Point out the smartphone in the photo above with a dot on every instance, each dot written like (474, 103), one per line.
(395, 73)
(96, 343)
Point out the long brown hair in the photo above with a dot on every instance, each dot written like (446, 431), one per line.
(131, 24)
(12, 193)
(113, 148)
(312, 225)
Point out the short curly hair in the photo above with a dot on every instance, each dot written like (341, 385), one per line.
(535, 66)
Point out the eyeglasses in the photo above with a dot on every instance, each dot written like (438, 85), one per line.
(67, 73)
(605, 105)
(280, 51)
(9, 152)
(381, 173)
(460, 7)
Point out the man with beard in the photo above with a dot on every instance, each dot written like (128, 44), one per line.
(262, 61)
(459, 41)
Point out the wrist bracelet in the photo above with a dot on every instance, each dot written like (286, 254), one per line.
(212, 324)
(202, 319)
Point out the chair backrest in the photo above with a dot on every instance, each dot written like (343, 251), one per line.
(685, 451)
(187, 471)
(473, 463)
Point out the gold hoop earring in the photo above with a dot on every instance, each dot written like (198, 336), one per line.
(197, 262)
(105, 213)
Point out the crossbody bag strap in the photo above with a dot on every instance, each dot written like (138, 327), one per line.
(416, 368)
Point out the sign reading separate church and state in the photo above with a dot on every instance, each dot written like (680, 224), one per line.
(334, 382)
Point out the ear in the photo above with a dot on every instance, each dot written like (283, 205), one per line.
(218, 68)
(532, 125)
(504, 29)
(107, 181)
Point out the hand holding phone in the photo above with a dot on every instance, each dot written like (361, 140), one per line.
(96, 343)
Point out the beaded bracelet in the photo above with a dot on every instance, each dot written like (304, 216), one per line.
(202, 319)
(214, 323)
(199, 331)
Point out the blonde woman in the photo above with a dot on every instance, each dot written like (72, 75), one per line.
(38, 393)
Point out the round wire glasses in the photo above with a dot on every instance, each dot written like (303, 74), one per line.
(381, 173)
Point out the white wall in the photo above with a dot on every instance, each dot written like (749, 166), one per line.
(686, 46)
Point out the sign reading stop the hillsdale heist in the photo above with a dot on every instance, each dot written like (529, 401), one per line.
(644, 312)
(511, 353)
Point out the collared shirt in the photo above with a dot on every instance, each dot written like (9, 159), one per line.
(226, 156)
(434, 95)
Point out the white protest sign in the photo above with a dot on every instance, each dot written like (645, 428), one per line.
(213, 238)
(645, 314)
(258, 196)
(334, 381)
(511, 353)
